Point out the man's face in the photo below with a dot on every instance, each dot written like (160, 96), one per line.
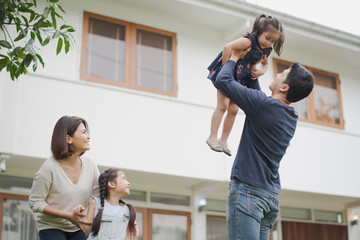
(279, 80)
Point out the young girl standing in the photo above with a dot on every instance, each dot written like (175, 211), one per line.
(267, 32)
(114, 219)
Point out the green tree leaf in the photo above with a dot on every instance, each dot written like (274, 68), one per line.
(3, 63)
(28, 59)
(40, 59)
(56, 34)
(67, 46)
(5, 44)
(46, 12)
(38, 35)
(61, 9)
(32, 35)
(18, 38)
(30, 23)
(15, 51)
(53, 17)
(59, 46)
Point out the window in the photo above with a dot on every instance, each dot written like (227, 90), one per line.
(17, 220)
(328, 216)
(295, 213)
(216, 228)
(162, 224)
(323, 106)
(215, 205)
(170, 199)
(128, 55)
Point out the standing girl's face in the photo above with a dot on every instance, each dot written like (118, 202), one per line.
(267, 39)
(80, 140)
(122, 186)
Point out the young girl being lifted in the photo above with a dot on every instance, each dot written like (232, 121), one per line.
(267, 32)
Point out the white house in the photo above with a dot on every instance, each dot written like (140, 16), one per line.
(138, 76)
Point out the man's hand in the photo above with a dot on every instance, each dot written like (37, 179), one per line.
(237, 54)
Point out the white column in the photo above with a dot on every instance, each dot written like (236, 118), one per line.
(353, 223)
(198, 226)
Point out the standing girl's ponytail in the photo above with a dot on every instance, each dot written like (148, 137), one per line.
(103, 180)
(132, 215)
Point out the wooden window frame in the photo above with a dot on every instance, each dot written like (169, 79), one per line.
(147, 224)
(11, 197)
(130, 54)
(311, 116)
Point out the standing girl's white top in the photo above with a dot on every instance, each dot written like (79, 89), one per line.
(114, 222)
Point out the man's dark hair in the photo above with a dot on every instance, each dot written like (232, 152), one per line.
(300, 81)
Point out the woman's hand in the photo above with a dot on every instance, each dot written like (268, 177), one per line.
(79, 210)
(78, 217)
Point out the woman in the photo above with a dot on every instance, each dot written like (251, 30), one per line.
(64, 180)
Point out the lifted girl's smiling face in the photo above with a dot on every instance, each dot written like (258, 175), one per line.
(267, 39)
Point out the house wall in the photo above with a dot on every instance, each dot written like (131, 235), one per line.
(166, 135)
(148, 132)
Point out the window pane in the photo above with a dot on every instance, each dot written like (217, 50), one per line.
(215, 205)
(281, 67)
(216, 228)
(18, 221)
(328, 216)
(106, 50)
(140, 224)
(166, 226)
(301, 108)
(170, 199)
(136, 196)
(154, 61)
(326, 99)
(295, 213)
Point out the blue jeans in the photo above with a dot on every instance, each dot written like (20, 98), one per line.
(251, 212)
(57, 234)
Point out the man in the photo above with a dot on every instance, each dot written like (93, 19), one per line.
(270, 124)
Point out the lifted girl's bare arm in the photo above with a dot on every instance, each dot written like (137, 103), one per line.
(239, 44)
(256, 73)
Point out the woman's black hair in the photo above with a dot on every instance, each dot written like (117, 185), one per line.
(110, 175)
(66, 125)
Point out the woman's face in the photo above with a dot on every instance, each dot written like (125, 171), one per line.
(81, 138)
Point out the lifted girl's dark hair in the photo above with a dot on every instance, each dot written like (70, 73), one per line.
(265, 23)
(110, 175)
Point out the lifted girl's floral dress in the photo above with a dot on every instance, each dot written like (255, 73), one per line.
(243, 65)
